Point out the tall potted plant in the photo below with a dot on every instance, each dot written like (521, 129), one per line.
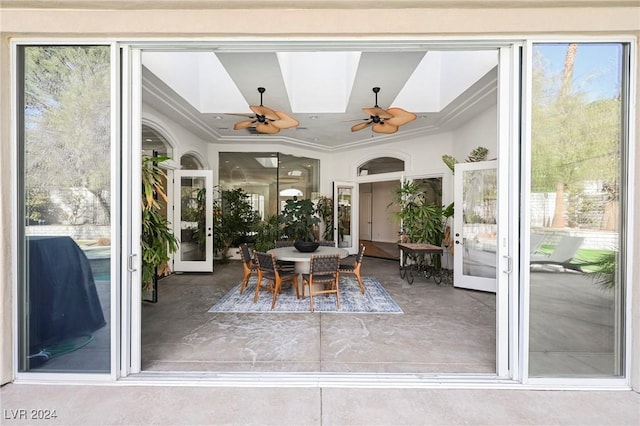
(300, 223)
(157, 239)
(422, 221)
(324, 208)
(234, 219)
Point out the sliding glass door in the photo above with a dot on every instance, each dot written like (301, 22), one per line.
(66, 188)
(577, 204)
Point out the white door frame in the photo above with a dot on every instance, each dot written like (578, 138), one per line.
(508, 91)
(462, 245)
(205, 265)
(354, 244)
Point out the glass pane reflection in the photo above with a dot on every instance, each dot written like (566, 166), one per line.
(576, 296)
(65, 274)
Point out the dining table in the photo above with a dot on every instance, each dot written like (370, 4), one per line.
(302, 260)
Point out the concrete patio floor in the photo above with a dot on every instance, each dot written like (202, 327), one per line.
(178, 405)
(442, 330)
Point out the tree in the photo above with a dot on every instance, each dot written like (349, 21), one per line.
(575, 138)
(67, 119)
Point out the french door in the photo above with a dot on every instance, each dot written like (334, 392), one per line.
(344, 227)
(475, 224)
(193, 220)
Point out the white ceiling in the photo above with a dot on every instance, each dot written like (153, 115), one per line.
(325, 91)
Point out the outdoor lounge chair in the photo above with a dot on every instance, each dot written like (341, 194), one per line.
(562, 255)
(536, 241)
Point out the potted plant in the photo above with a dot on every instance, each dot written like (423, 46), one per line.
(268, 231)
(324, 208)
(300, 223)
(157, 239)
(234, 220)
(422, 221)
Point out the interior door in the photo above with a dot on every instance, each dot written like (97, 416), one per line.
(344, 212)
(475, 225)
(365, 216)
(193, 220)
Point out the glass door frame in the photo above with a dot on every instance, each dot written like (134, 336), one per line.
(628, 149)
(205, 265)
(116, 200)
(513, 93)
(508, 93)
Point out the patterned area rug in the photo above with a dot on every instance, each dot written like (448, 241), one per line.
(375, 299)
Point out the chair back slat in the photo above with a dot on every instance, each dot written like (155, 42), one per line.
(265, 261)
(324, 264)
(246, 254)
(360, 254)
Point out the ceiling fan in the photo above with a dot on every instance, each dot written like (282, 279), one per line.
(384, 121)
(265, 119)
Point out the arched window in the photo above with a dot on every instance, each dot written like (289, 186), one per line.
(381, 165)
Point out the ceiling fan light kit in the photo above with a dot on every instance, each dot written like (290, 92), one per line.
(265, 120)
(384, 121)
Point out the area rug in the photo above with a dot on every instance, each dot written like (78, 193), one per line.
(375, 300)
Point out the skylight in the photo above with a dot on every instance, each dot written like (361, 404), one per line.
(318, 82)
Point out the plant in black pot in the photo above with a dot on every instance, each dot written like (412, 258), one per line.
(300, 223)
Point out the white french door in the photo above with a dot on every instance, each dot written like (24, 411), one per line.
(193, 220)
(344, 211)
(475, 226)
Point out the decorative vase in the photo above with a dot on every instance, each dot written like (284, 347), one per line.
(306, 246)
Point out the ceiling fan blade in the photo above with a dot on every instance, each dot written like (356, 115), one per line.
(240, 114)
(385, 128)
(361, 126)
(285, 121)
(267, 128)
(263, 110)
(377, 112)
(399, 117)
(243, 124)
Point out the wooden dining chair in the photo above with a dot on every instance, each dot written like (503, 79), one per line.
(285, 265)
(249, 266)
(354, 268)
(267, 270)
(323, 270)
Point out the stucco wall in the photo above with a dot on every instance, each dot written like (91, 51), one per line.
(499, 20)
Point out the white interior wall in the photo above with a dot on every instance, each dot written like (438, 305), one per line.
(482, 130)
(181, 139)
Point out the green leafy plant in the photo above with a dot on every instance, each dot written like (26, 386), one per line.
(478, 154)
(422, 221)
(268, 231)
(234, 220)
(324, 208)
(300, 222)
(605, 270)
(157, 239)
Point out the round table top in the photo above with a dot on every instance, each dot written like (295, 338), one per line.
(291, 254)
